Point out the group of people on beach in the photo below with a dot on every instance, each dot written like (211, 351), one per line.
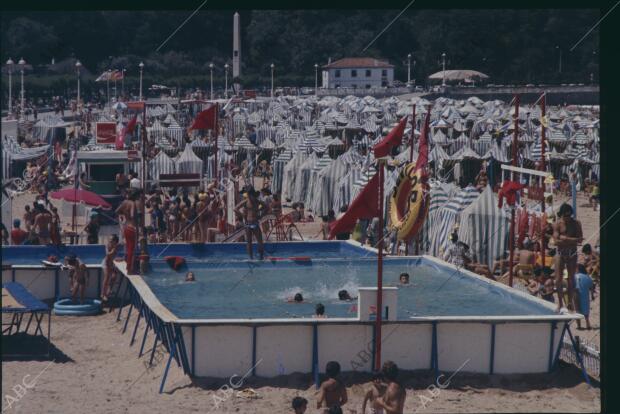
(386, 394)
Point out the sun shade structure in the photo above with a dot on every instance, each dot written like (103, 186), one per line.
(72, 195)
(456, 75)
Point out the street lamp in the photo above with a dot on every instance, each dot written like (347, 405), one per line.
(141, 65)
(408, 69)
(272, 67)
(9, 64)
(560, 62)
(22, 64)
(226, 80)
(316, 79)
(443, 73)
(211, 67)
(78, 65)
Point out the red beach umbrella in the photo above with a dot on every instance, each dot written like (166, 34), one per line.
(73, 195)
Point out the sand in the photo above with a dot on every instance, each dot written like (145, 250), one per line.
(97, 372)
(94, 370)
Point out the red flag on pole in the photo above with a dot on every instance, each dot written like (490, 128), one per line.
(205, 119)
(393, 139)
(129, 128)
(364, 206)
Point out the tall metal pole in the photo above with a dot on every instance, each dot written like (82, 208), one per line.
(22, 63)
(379, 313)
(511, 242)
(141, 65)
(78, 65)
(10, 64)
(108, 88)
(543, 167)
(216, 134)
(316, 79)
(211, 71)
(272, 67)
(123, 83)
(226, 81)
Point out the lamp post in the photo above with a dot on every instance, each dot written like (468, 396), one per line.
(226, 80)
(443, 73)
(141, 65)
(316, 79)
(123, 83)
(22, 64)
(108, 88)
(211, 68)
(560, 62)
(9, 64)
(272, 68)
(408, 69)
(78, 65)
(414, 71)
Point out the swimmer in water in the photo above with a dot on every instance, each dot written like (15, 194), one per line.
(345, 296)
(319, 311)
(298, 298)
(190, 277)
(404, 278)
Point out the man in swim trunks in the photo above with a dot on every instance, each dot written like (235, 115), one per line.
(108, 266)
(250, 213)
(567, 235)
(42, 222)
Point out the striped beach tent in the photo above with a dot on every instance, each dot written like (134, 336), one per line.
(313, 186)
(484, 227)
(175, 133)
(302, 179)
(289, 175)
(326, 185)
(161, 164)
(278, 170)
(188, 162)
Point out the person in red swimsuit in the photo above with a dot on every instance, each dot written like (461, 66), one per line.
(128, 210)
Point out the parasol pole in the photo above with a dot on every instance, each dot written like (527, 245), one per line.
(379, 311)
(543, 167)
(515, 139)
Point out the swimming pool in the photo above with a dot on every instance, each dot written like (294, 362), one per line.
(254, 289)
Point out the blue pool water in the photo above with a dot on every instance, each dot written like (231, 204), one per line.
(244, 289)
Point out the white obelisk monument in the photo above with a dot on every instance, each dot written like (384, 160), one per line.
(236, 53)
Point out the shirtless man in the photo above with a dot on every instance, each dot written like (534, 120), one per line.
(393, 402)
(332, 391)
(567, 235)
(251, 206)
(42, 223)
(128, 210)
(203, 216)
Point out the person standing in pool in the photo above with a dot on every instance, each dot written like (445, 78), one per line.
(251, 206)
(567, 234)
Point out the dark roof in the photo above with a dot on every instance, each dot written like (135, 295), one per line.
(358, 63)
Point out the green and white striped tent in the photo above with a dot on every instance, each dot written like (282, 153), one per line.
(485, 228)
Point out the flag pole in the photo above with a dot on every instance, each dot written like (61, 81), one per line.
(217, 117)
(379, 310)
(412, 134)
(543, 167)
(512, 210)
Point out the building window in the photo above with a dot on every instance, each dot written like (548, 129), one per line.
(367, 86)
(368, 72)
(353, 73)
(383, 72)
(337, 73)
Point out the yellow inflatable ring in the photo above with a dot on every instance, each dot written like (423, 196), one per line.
(408, 203)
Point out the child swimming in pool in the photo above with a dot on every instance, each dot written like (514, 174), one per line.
(189, 277)
(404, 278)
(80, 280)
(298, 298)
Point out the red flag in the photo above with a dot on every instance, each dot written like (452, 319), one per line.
(120, 138)
(365, 205)
(422, 160)
(205, 119)
(393, 139)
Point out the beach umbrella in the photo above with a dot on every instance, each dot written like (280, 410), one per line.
(119, 106)
(72, 195)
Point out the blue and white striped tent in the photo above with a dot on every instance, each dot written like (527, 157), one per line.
(314, 188)
(326, 184)
(302, 179)
(161, 164)
(485, 228)
(175, 133)
(188, 162)
(289, 175)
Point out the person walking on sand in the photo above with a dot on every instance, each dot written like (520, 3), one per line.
(251, 206)
(393, 402)
(567, 235)
(584, 286)
(109, 272)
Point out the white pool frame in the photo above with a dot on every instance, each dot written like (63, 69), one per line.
(271, 347)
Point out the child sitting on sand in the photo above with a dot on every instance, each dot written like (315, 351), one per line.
(376, 390)
(79, 282)
(332, 391)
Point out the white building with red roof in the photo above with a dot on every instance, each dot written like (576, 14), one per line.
(361, 73)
